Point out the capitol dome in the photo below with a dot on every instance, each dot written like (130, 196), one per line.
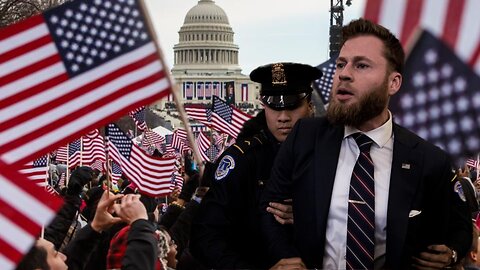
(206, 11)
(206, 43)
(206, 61)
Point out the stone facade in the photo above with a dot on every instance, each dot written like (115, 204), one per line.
(206, 61)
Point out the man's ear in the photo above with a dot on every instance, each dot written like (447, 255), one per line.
(472, 256)
(394, 83)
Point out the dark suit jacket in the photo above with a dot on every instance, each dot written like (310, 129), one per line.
(421, 179)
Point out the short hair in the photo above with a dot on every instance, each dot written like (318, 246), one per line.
(393, 50)
(36, 258)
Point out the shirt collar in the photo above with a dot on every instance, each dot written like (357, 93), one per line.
(380, 135)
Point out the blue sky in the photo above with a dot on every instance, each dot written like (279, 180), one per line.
(265, 30)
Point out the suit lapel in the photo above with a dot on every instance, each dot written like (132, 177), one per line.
(327, 151)
(404, 181)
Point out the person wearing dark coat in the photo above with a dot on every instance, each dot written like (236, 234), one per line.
(367, 193)
(141, 247)
(226, 231)
(58, 228)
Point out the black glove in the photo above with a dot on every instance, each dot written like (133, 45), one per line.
(78, 179)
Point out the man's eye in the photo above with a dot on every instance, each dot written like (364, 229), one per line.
(362, 66)
(340, 65)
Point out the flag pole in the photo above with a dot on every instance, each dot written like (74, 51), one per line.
(174, 86)
(67, 171)
(478, 166)
(49, 175)
(81, 151)
(107, 163)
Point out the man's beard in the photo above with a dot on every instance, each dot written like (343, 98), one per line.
(369, 106)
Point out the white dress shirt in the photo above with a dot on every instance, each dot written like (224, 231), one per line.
(382, 154)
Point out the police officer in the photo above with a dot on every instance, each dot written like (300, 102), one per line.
(226, 232)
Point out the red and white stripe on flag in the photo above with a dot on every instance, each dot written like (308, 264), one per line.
(232, 129)
(37, 170)
(93, 148)
(44, 104)
(197, 112)
(24, 209)
(244, 92)
(151, 175)
(456, 22)
(472, 163)
(203, 143)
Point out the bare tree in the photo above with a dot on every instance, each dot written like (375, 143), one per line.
(12, 11)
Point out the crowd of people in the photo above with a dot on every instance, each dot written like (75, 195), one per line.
(350, 190)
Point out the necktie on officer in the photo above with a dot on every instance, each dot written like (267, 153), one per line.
(361, 209)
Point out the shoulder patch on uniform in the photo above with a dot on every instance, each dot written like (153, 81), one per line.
(459, 190)
(224, 167)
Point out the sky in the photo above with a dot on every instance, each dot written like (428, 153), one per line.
(266, 31)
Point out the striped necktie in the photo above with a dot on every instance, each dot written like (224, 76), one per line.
(361, 209)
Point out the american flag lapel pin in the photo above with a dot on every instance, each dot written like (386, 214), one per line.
(406, 166)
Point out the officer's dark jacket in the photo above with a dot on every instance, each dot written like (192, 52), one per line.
(226, 232)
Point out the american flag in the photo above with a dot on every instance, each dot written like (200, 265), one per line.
(61, 181)
(213, 153)
(216, 89)
(37, 170)
(24, 209)
(75, 67)
(208, 90)
(188, 86)
(472, 163)
(179, 140)
(73, 156)
(324, 84)
(200, 90)
(151, 139)
(219, 139)
(179, 180)
(93, 149)
(116, 172)
(456, 22)
(200, 113)
(440, 99)
(226, 118)
(203, 142)
(168, 144)
(98, 165)
(244, 92)
(138, 116)
(152, 175)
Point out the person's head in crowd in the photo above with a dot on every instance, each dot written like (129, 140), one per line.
(43, 256)
(151, 207)
(96, 175)
(472, 259)
(285, 93)
(117, 249)
(131, 188)
(91, 198)
(167, 248)
(78, 179)
(368, 72)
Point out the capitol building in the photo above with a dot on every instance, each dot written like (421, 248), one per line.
(206, 61)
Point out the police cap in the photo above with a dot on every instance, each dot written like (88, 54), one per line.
(284, 85)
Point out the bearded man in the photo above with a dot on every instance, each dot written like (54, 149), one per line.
(367, 193)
